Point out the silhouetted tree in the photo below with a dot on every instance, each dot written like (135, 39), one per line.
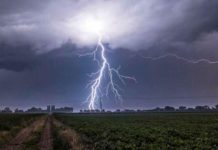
(34, 109)
(18, 110)
(158, 109)
(182, 108)
(190, 109)
(118, 110)
(6, 110)
(202, 108)
(169, 108)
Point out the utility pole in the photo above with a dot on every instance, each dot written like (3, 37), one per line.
(100, 101)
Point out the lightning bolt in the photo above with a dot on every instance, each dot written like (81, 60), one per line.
(203, 60)
(105, 68)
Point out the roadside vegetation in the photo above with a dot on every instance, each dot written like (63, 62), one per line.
(66, 138)
(32, 143)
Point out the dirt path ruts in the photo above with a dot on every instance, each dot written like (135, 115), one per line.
(46, 142)
(22, 136)
(69, 135)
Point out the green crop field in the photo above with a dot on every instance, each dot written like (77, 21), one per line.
(149, 131)
(145, 130)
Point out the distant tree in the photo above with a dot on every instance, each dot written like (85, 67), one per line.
(118, 110)
(157, 109)
(182, 108)
(18, 110)
(129, 110)
(206, 107)
(92, 111)
(169, 108)
(34, 110)
(6, 110)
(190, 109)
(199, 108)
(97, 110)
(87, 111)
(202, 108)
(139, 110)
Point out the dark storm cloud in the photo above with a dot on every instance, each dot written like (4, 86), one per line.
(39, 65)
(58, 77)
(17, 58)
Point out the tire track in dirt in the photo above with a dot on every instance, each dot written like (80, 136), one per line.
(23, 136)
(46, 142)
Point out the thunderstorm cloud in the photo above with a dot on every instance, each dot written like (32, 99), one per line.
(39, 42)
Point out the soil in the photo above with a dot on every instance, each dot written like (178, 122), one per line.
(22, 136)
(46, 142)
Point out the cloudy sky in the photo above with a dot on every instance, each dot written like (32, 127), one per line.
(170, 47)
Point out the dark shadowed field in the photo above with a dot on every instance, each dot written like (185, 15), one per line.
(111, 131)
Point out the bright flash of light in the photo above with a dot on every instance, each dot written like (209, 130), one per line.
(105, 70)
(93, 26)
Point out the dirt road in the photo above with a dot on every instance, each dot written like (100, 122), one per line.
(44, 126)
(46, 142)
(23, 136)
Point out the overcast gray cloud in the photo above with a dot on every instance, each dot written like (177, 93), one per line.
(134, 25)
(39, 41)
